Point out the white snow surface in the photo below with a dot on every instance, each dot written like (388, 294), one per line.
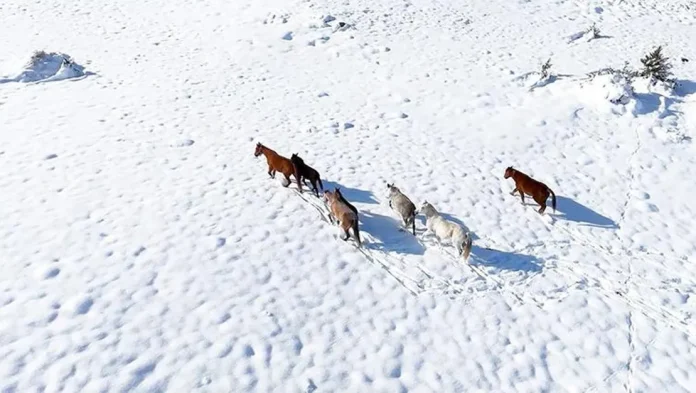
(145, 249)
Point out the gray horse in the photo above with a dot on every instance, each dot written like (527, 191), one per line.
(403, 206)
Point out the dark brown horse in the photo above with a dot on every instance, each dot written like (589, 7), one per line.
(276, 162)
(526, 185)
(304, 172)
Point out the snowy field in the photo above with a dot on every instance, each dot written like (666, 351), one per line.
(145, 249)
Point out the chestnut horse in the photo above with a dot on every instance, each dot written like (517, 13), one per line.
(526, 185)
(345, 216)
(276, 162)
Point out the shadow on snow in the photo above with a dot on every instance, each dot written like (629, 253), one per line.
(581, 214)
(351, 194)
(505, 260)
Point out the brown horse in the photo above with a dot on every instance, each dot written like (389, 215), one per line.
(526, 185)
(304, 172)
(276, 162)
(345, 216)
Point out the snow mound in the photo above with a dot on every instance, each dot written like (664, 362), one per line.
(613, 88)
(48, 67)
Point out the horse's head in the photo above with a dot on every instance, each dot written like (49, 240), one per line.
(258, 150)
(509, 171)
(329, 196)
(393, 189)
(426, 208)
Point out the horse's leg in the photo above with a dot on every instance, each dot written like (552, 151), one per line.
(542, 202)
(270, 171)
(513, 191)
(404, 221)
(522, 196)
(345, 230)
(439, 242)
(543, 207)
(287, 177)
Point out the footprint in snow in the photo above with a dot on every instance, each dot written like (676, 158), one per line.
(183, 143)
(48, 273)
(311, 387)
(646, 207)
(80, 305)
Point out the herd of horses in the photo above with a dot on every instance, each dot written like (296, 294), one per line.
(344, 214)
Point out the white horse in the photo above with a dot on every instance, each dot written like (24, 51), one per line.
(403, 206)
(443, 229)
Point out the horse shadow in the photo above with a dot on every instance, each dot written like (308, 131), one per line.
(581, 214)
(506, 260)
(351, 194)
(387, 234)
(384, 230)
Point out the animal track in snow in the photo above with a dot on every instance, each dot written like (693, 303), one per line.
(80, 305)
(276, 18)
(183, 143)
(48, 272)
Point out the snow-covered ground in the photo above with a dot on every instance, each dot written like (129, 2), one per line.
(145, 249)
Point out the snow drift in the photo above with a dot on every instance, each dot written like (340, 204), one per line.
(48, 67)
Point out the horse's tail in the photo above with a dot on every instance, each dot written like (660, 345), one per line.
(553, 199)
(413, 222)
(466, 246)
(356, 231)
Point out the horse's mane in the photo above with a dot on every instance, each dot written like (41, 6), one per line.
(268, 149)
(342, 199)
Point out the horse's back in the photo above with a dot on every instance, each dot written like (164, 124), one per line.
(284, 164)
(344, 211)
